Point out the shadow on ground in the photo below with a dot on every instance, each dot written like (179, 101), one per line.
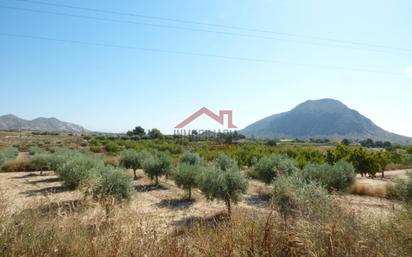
(63, 208)
(175, 203)
(46, 180)
(263, 200)
(187, 223)
(148, 188)
(43, 191)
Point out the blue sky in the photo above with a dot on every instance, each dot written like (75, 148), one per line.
(114, 89)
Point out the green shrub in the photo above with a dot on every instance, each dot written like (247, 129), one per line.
(112, 182)
(96, 149)
(191, 158)
(268, 168)
(338, 177)
(402, 189)
(224, 162)
(157, 165)
(8, 154)
(112, 147)
(186, 176)
(131, 159)
(78, 170)
(41, 162)
(61, 156)
(36, 150)
(227, 185)
(293, 196)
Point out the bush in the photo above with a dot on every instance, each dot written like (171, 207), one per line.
(36, 150)
(191, 158)
(402, 189)
(268, 168)
(224, 162)
(16, 166)
(78, 170)
(112, 182)
(61, 156)
(131, 159)
(8, 154)
(186, 176)
(338, 177)
(227, 185)
(157, 165)
(41, 162)
(293, 196)
(112, 147)
(96, 149)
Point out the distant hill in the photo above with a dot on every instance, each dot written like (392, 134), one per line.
(321, 119)
(12, 122)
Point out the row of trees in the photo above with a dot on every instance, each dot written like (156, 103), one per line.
(220, 179)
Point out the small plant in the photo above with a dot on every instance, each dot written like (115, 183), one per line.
(157, 165)
(338, 177)
(268, 168)
(131, 159)
(226, 185)
(78, 170)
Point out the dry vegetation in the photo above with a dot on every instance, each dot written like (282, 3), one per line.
(39, 217)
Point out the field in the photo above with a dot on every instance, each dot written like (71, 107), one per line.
(50, 220)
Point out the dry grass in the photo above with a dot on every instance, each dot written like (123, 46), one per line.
(369, 190)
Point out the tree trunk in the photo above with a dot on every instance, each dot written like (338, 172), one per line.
(135, 176)
(157, 180)
(229, 208)
(190, 193)
(383, 173)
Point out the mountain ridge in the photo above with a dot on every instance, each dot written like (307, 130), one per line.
(13, 122)
(323, 118)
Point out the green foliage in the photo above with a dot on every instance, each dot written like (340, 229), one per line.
(112, 147)
(111, 182)
(186, 176)
(36, 150)
(402, 189)
(78, 170)
(338, 177)
(41, 162)
(61, 156)
(137, 131)
(191, 158)
(155, 134)
(227, 185)
(409, 149)
(293, 196)
(7, 154)
(224, 162)
(131, 159)
(157, 165)
(365, 162)
(268, 168)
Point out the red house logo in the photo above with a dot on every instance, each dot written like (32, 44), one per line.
(219, 118)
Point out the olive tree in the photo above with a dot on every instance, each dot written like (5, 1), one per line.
(186, 176)
(157, 165)
(267, 168)
(131, 159)
(227, 185)
(191, 158)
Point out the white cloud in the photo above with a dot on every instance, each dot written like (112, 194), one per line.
(408, 72)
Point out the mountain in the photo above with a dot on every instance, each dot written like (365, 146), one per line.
(325, 118)
(12, 122)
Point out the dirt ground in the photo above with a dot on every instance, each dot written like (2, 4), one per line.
(167, 204)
